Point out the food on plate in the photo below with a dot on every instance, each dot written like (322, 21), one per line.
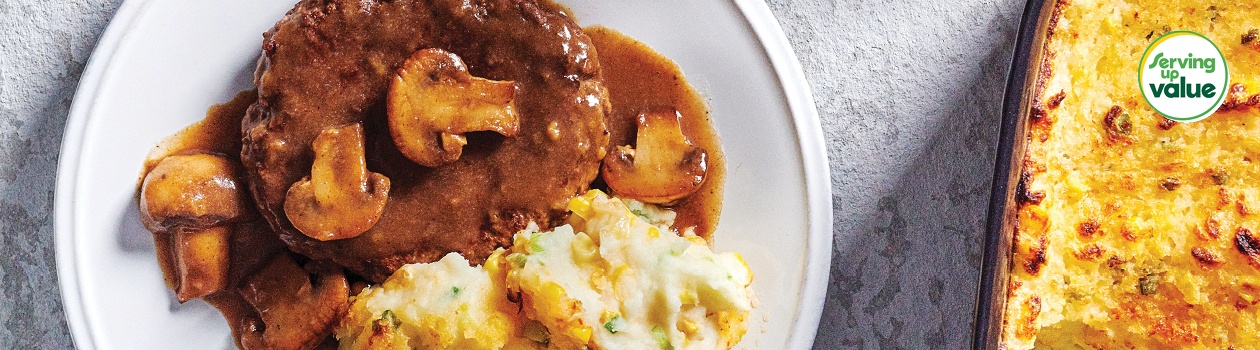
(189, 203)
(433, 102)
(212, 244)
(615, 280)
(662, 168)
(340, 199)
(192, 191)
(640, 80)
(297, 306)
(612, 278)
(446, 304)
(331, 63)
(1134, 231)
(386, 135)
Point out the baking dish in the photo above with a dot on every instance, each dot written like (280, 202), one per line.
(1020, 90)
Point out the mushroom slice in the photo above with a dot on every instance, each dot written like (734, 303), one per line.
(433, 101)
(189, 203)
(201, 261)
(296, 313)
(198, 191)
(662, 167)
(340, 199)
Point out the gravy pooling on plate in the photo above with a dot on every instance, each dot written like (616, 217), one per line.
(248, 246)
(639, 79)
(265, 286)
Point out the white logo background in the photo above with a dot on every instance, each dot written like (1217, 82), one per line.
(1175, 49)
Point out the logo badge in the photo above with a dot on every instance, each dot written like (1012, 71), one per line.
(1183, 76)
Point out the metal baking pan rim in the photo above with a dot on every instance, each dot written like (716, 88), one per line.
(1018, 98)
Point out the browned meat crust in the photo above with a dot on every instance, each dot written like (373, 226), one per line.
(328, 63)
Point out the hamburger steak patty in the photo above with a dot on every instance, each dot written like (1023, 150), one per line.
(328, 63)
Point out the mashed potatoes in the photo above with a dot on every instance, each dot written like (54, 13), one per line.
(616, 277)
(441, 305)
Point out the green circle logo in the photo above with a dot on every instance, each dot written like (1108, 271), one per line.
(1183, 76)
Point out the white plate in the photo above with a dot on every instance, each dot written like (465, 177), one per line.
(161, 64)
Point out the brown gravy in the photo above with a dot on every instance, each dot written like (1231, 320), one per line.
(252, 242)
(640, 79)
(218, 133)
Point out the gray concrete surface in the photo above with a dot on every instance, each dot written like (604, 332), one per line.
(909, 92)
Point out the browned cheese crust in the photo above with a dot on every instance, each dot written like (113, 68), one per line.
(1134, 231)
(328, 63)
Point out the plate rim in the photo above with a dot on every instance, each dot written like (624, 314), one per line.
(813, 151)
(757, 15)
(68, 167)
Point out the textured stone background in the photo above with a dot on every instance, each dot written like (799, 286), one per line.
(909, 92)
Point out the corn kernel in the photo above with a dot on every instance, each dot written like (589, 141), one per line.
(616, 274)
(580, 206)
(520, 240)
(590, 195)
(582, 333)
(1034, 220)
(598, 277)
(688, 297)
(494, 264)
(552, 292)
(688, 327)
(1076, 185)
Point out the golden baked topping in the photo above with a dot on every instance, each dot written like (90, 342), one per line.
(662, 167)
(1118, 124)
(1205, 257)
(1249, 39)
(433, 101)
(1134, 231)
(340, 199)
(1248, 245)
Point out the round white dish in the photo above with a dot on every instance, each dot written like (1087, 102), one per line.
(161, 64)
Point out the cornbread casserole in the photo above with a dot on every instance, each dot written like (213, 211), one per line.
(1136, 232)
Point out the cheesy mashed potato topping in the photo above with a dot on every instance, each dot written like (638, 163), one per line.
(616, 277)
(446, 304)
(1136, 232)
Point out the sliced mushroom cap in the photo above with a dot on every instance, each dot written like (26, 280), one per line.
(662, 167)
(194, 191)
(341, 199)
(433, 101)
(295, 313)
